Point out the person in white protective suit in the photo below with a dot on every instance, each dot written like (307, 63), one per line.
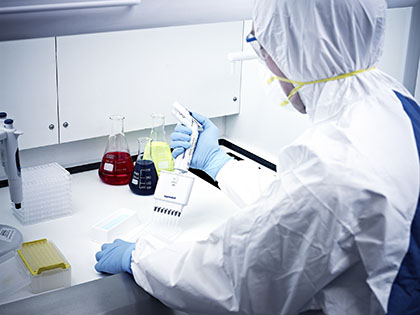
(335, 229)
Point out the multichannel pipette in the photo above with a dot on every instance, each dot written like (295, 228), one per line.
(174, 188)
(10, 156)
(182, 162)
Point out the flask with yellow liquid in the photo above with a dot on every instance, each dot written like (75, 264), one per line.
(160, 151)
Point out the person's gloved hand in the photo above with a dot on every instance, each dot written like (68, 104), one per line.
(207, 155)
(115, 257)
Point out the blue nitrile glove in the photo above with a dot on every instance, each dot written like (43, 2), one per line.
(115, 257)
(207, 155)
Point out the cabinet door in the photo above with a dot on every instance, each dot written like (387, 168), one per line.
(28, 89)
(137, 73)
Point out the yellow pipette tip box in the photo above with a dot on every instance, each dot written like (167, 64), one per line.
(45, 264)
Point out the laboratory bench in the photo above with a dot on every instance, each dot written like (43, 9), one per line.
(92, 292)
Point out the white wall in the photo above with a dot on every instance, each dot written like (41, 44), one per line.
(396, 42)
(264, 127)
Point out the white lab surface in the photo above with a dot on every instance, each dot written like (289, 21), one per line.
(93, 201)
(332, 229)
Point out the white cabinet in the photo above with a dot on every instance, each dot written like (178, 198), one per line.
(64, 89)
(28, 89)
(136, 73)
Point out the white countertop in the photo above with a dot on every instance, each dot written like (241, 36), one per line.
(92, 201)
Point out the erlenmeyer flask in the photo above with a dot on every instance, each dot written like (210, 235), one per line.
(116, 166)
(161, 152)
(144, 179)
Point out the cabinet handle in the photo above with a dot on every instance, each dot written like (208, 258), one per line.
(68, 6)
(241, 56)
(65, 124)
(51, 126)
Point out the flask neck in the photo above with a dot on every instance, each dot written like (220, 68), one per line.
(117, 125)
(158, 120)
(116, 140)
(158, 130)
(144, 146)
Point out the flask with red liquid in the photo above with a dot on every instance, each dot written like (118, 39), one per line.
(116, 166)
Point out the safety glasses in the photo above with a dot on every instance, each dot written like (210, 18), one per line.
(259, 50)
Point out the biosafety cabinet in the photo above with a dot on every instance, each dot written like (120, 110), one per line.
(67, 66)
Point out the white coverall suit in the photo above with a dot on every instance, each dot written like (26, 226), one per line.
(332, 229)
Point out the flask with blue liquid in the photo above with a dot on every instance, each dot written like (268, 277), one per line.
(144, 178)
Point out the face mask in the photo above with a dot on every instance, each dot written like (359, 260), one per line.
(274, 92)
(299, 84)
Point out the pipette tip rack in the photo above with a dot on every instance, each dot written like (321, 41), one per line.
(46, 194)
